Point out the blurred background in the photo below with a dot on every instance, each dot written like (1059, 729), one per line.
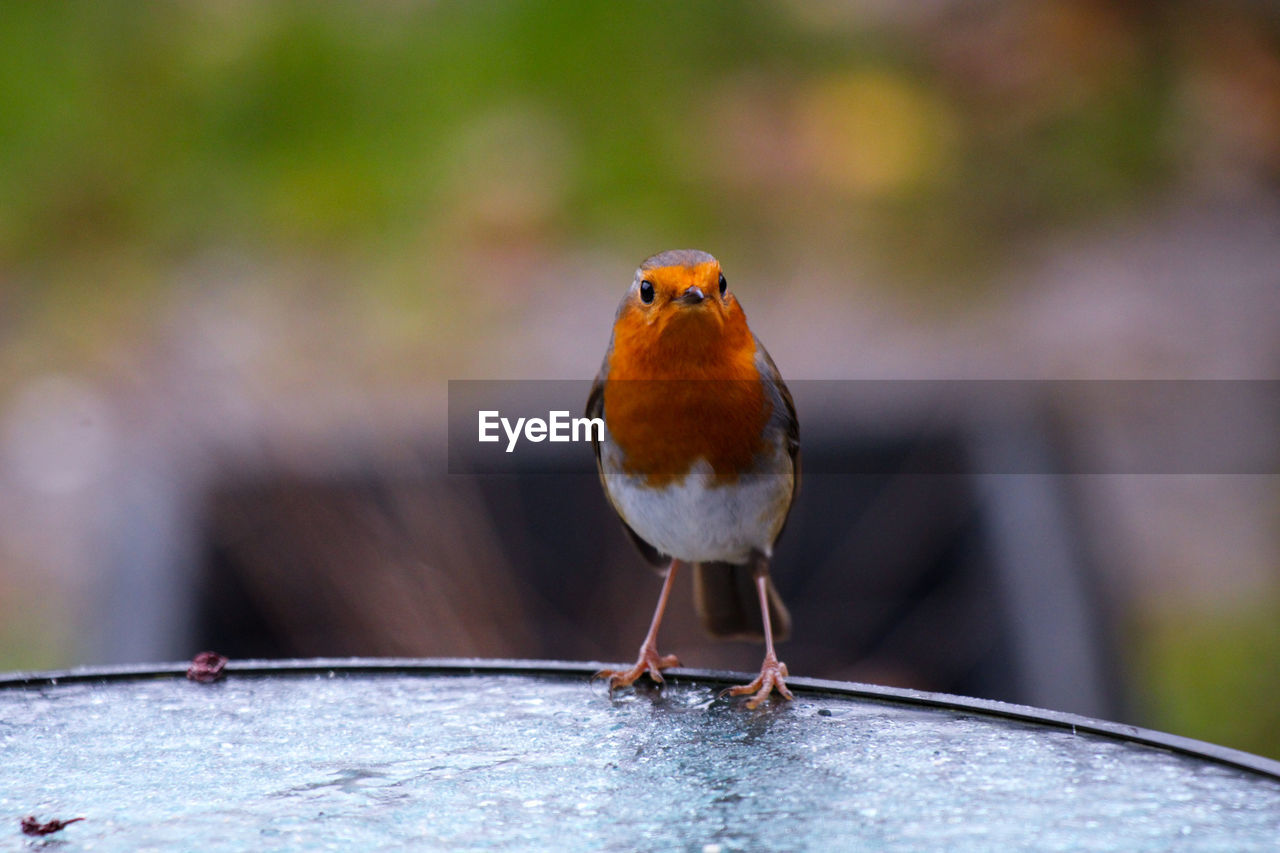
(244, 246)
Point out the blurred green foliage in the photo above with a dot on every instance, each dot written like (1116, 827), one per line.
(1213, 675)
(164, 128)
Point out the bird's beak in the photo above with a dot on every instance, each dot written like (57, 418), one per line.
(692, 296)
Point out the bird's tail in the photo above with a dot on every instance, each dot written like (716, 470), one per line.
(726, 599)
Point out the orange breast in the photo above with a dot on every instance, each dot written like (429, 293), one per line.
(685, 389)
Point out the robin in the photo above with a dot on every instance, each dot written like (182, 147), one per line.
(700, 455)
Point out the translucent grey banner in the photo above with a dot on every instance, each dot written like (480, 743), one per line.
(880, 427)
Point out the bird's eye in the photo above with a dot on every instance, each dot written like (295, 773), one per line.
(724, 285)
(646, 292)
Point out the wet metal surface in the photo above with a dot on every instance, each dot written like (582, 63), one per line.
(367, 760)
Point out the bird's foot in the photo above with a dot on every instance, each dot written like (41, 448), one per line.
(649, 662)
(772, 673)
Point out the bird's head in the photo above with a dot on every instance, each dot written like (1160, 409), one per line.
(679, 292)
(678, 318)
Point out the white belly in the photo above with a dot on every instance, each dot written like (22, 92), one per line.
(697, 521)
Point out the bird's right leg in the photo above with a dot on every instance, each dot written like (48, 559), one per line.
(773, 672)
(649, 660)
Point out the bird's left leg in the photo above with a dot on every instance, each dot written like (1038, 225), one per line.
(649, 660)
(772, 671)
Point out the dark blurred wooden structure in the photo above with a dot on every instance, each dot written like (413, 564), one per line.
(897, 571)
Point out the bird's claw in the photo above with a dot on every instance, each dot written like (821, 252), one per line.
(772, 673)
(649, 663)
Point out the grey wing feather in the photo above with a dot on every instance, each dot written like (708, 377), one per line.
(784, 411)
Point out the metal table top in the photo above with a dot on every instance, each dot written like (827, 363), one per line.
(366, 754)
